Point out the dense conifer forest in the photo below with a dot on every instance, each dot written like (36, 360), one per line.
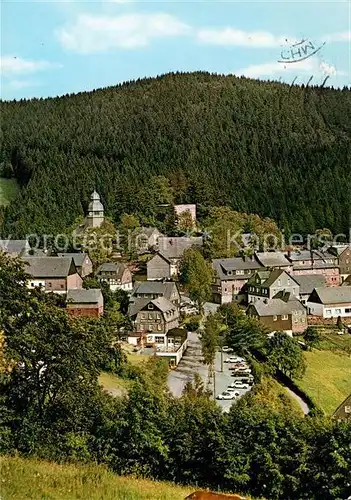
(259, 147)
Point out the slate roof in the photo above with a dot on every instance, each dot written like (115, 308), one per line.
(318, 257)
(78, 258)
(148, 231)
(116, 267)
(14, 246)
(308, 282)
(50, 267)
(174, 247)
(222, 266)
(160, 303)
(334, 295)
(275, 307)
(273, 259)
(155, 287)
(91, 296)
(268, 277)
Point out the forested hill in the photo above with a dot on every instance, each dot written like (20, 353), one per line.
(262, 147)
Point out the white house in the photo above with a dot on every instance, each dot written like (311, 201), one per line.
(330, 302)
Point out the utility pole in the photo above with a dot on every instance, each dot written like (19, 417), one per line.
(214, 383)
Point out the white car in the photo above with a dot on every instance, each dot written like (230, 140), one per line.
(225, 348)
(227, 395)
(234, 359)
(233, 390)
(239, 385)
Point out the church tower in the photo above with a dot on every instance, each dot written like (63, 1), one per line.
(95, 211)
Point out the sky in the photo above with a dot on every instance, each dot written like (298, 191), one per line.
(51, 48)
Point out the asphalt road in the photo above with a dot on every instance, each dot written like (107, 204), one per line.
(190, 364)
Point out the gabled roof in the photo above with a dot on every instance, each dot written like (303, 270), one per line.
(14, 246)
(346, 402)
(269, 277)
(174, 247)
(339, 249)
(308, 282)
(332, 295)
(273, 259)
(50, 267)
(160, 303)
(223, 266)
(78, 258)
(275, 307)
(91, 296)
(149, 231)
(116, 267)
(155, 287)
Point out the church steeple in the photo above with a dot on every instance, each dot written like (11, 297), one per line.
(95, 211)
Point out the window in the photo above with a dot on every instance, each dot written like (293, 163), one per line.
(275, 318)
(50, 284)
(239, 272)
(296, 320)
(285, 317)
(150, 316)
(62, 286)
(143, 316)
(347, 409)
(159, 328)
(279, 282)
(347, 310)
(150, 306)
(288, 282)
(32, 284)
(230, 273)
(337, 311)
(159, 340)
(302, 320)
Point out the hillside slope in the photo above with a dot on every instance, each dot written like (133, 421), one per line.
(33, 479)
(260, 147)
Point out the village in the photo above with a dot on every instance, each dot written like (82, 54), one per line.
(286, 291)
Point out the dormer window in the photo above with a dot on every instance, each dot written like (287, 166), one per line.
(230, 273)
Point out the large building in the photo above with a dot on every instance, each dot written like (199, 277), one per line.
(165, 263)
(95, 216)
(156, 289)
(230, 277)
(330, 302)
(154, 318)
(268, 283)
(277, 315)
(53, 274)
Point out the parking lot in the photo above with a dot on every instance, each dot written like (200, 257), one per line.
(222, 380)
(192, 363)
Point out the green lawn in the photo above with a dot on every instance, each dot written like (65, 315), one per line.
(35, 479)
(117, 386)
(327, 379)
(8, 190)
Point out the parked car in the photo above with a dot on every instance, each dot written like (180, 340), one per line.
(226, 395)
(237, 366)
(247, 380)
(233, 390)
(238, 384)
(234, 359)
(225, 348)
(241, 372)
